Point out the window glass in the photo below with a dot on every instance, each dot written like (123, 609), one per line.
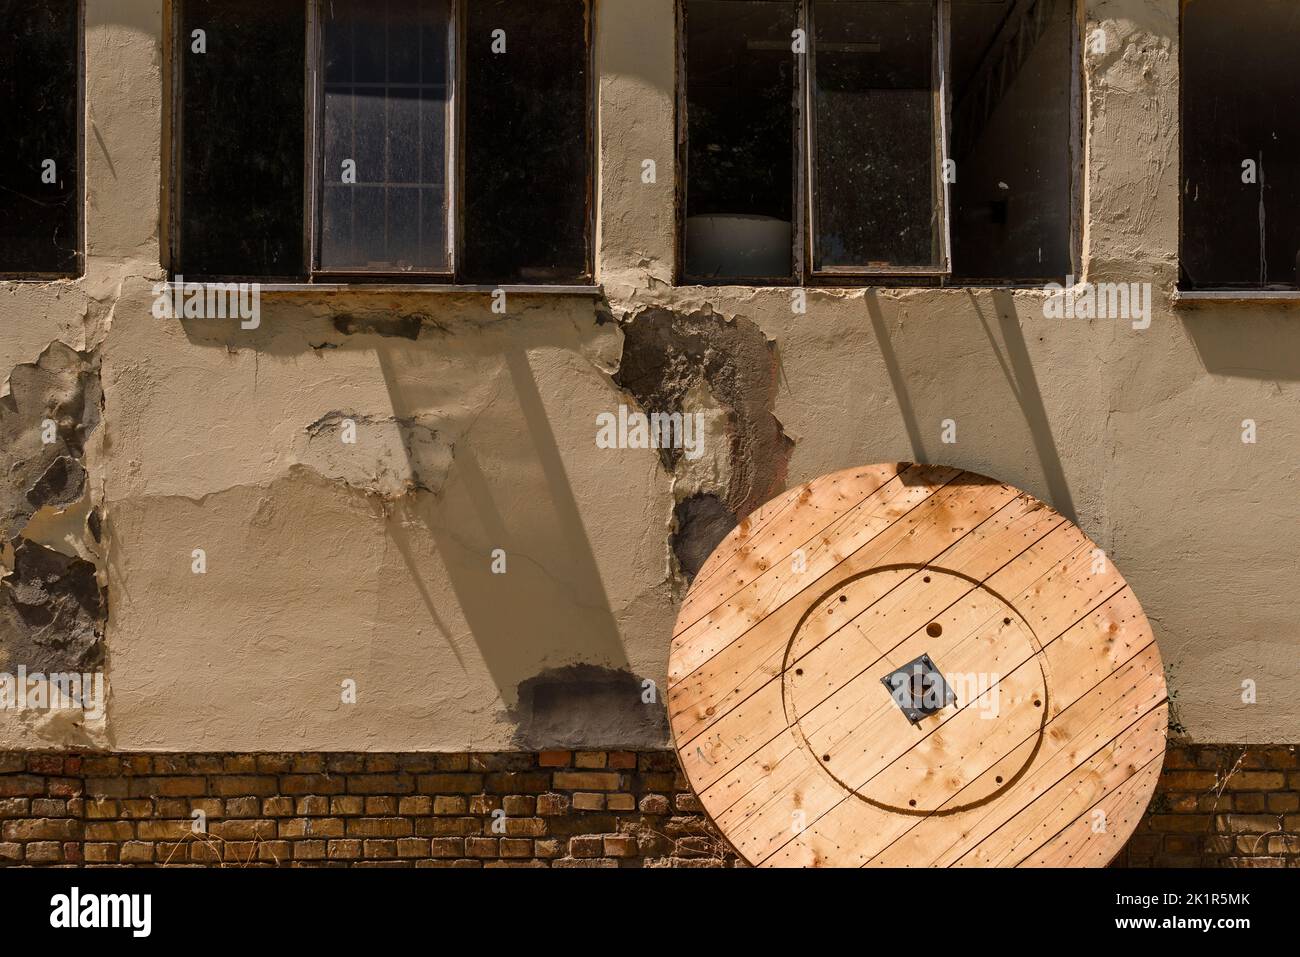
(876, 204)
(384, 195)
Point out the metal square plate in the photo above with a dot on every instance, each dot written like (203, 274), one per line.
(919, 689)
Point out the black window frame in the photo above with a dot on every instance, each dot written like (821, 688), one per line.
(78, 269)
(803, 185)
(313, 86)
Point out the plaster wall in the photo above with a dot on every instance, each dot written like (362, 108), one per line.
(372, 562)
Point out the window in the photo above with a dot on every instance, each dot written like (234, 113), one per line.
(922, 140)
(423, 140)
(383, 175)
(40, 168)
(1240, 145)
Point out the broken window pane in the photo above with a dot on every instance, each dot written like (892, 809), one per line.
(527, 155)
(876, 204)
(40, 165)
(1240, 144)
(384, 135)
(740, 88)
(240, 124)
(1011, 68)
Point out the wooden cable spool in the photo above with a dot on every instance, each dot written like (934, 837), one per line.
(916, 666)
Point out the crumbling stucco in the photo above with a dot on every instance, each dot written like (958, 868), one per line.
(572, 706)
(51, 606)
(724, 371)
(328, 562)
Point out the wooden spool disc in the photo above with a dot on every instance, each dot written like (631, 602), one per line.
(1048, 725)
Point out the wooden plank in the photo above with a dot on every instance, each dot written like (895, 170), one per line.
(756, 659)
(802, 757)
(1116, 703)
(1081, 843)
(1068, 658)
(1072, 797)
(763, 804)
(796, 516)
(695, 643)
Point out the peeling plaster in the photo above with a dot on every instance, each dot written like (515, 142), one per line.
(373, 561)
(724, 368)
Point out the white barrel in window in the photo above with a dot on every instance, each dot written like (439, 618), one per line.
(916, 666)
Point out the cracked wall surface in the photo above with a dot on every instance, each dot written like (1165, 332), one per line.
(481, 571)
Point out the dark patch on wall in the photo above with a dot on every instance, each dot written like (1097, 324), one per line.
(666, 353)
(571, 707)
(50, 611)
(403, 327)
(60, 485)
(701, 522)
(61, 386)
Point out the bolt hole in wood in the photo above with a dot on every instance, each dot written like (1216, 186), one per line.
(917, 690)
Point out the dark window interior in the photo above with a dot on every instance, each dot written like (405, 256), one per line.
(527, 172)
(1011, 66)
(875, 133)
(740, 163)
(875, 195)
(40, 109)
(241, 139)
(385, 65)
(1240, 97)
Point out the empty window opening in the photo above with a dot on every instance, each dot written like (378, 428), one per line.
(40, 168)
(740, 88)
(1240, 145)
(1012, 67)
(239, 197)
(528, 183)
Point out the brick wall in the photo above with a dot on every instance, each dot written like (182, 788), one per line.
(1217, 805)
(553, 809)
(1222, 806)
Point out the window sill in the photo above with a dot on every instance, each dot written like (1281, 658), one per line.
(414, 288)
(1193, 296)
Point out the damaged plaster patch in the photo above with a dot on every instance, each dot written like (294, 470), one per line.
(403, 327)
(577, 705)
(389, 455)
(702, 522)
(50, 612)
(726, 370)
(52, 609)
(56, 397)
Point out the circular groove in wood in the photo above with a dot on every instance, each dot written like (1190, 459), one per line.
(802, 756)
